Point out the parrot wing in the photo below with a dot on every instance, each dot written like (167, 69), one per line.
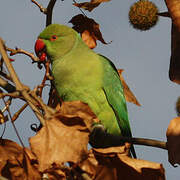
(115, 96)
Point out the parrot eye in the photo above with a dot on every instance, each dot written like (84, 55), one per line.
(53, 38)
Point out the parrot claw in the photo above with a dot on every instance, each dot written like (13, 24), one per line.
(97, 127)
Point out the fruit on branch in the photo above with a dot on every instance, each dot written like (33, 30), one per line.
(143, 15)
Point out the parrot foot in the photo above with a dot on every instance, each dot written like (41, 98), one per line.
(99, 138)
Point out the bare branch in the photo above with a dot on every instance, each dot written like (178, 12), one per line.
(9, 66)
(5, 76)
(22, 51)
(42, 9)
(19, 86)
(48, 111)
(7, 86)
(48, 73)
(146, 142)
(7, 104)
(99, 138)
(164, 14)
(80, 9)
(14, 94)
(16, 115)
(50, 11)
(47, 11)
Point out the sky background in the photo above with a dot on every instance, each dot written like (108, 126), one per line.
(144, 56)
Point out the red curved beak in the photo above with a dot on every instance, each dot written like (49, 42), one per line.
(40, 49)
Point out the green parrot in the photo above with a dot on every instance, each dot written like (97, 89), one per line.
(81, 74)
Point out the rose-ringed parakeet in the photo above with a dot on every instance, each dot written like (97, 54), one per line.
(81, 74)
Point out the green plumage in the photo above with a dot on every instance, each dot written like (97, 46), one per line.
(81, 74)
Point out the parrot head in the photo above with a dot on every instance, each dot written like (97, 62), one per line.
(55, 41)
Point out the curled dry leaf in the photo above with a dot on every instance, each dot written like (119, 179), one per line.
(88, 29)
(15, 163)
(127, 92)
(54, 173)
(115, 165)
(89, 39)
(90, 5)
(64, 137)
(80, 109)
(173, 8)
(173, 141)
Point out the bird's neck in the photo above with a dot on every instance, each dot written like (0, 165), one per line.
(76, 49)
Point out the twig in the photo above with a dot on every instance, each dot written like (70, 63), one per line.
(8, 110)
(80, 9)
(164, 14)
(7, 104)
(99, 138)
(16, 115)
(48, 111)
(22, 51)
(9, 66)
(47, 67)
(4, 129)
(47, 11)
(19, 86)
(42, 9)
(47, 76)
(146, 142)
(50, 11)
(5, 76)
(13, 95)
(5, 85)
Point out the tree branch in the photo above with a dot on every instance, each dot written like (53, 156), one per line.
(146, 142)
(17, 114)
(7, 86)
(49, 12)
(42, 9)
(19, 86)
(99, 138)
(164, 14)
(9, 66)
(22, 51)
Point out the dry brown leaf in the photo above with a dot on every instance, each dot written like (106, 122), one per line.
(89, 39)
(64, 137)
(173, 9)
(83, 24)
(80, 109)
(124, 150)
(8, 150)
(127, 92)
(173, 141)
(15, 164)
(90, 5)
(55, 173)
(102, 165)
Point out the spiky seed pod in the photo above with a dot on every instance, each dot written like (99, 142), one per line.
(143, 15)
